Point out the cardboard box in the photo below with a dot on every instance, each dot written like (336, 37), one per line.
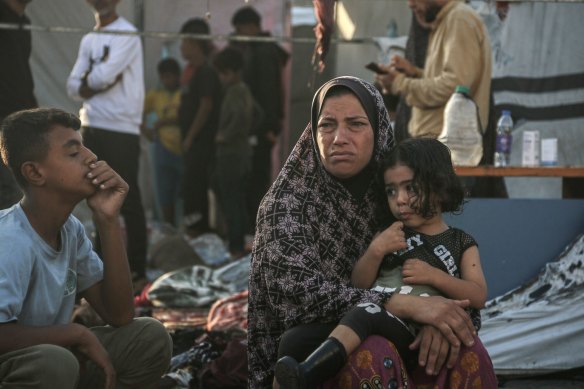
(549, 152)
(531, 148)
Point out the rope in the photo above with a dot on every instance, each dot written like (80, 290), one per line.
(174, 35)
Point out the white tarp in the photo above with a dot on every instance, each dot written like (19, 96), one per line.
(539, 327)
(538, 73)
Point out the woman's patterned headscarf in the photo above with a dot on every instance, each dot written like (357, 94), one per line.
(363, 92)
(310, 231)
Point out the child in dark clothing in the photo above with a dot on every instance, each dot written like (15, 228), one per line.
(198, 120)
(233, 149)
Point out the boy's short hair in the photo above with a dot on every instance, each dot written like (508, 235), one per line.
(168, 65)
(229, 58)
(198, 26)
(24, 136)
(246, 15)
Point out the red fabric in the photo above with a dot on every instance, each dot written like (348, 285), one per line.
(174, 318)
(502, 8)
(229, 313)
(142, 300)
(229, 370)
(365, 369)
(324, 11)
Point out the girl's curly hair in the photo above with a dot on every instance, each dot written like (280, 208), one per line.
(434, 181)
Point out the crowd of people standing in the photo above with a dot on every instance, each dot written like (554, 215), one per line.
(229, 114)
(188, 122)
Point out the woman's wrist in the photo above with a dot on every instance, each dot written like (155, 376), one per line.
(400, 305)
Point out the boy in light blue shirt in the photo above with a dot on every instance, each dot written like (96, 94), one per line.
(48, 260)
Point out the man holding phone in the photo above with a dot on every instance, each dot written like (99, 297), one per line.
(459, 53)
(374, 67)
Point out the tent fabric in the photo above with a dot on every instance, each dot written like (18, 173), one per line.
(538, 74)
(537, 327)
(536, 67)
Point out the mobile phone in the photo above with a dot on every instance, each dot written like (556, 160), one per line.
(375, 68)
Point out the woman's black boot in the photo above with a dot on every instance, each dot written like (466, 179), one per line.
(321, 365)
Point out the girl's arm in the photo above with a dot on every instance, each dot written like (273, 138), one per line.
(390, 240)
(366, 269)
(472, 284)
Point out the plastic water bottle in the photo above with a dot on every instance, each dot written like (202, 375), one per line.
(503, 140)
(461, 130)
(392, 29)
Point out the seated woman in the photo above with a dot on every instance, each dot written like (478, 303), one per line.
(315, 222)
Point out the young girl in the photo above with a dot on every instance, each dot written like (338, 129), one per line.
(419, 254)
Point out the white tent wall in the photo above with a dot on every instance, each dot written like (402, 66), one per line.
(365, 19)
(538, 73)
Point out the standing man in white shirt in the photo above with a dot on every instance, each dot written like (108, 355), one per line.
(108, 78)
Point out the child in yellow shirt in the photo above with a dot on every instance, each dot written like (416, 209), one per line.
(161, 126)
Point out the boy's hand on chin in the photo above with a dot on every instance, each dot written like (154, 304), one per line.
(111, 190)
